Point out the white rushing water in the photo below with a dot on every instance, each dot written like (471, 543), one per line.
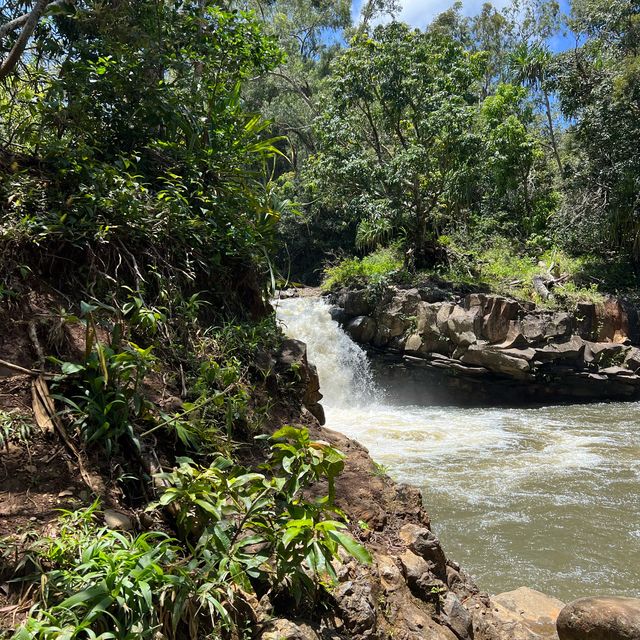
(548, 497)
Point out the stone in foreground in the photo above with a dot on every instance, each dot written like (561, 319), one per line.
(522, 614)
(600, 618)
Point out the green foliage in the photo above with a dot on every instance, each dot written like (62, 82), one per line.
(259, 526)
(105, 399)
(241, 529)
(372, 269)
(108, 584)
(134, 161)
(509, 270)
(15, 428)
(597, 86)
(396, 135)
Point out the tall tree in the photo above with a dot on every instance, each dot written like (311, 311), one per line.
(396, 136)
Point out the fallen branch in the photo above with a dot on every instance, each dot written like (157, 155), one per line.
(28, 372)
(45, 404)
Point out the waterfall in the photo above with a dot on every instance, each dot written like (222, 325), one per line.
(343, 368)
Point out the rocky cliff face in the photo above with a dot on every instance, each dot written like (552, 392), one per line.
(493, 348)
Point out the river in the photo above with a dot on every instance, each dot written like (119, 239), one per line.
(547, 497)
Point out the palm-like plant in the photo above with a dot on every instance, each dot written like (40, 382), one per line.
(529, 65)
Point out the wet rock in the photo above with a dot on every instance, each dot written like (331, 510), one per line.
(356, 303)
(361, 329)
(117, 520)
(293, 355)
(338, 315)
(292, 352)
(600, 618)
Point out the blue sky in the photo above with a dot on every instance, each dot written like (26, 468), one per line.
(419, 13)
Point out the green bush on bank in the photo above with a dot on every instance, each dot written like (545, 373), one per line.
(508, 269)
(238, 533)
(371, 269)
(503, 267)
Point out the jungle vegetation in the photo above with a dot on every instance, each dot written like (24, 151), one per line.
(166, 164)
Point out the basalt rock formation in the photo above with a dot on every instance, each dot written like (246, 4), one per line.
(487, 348)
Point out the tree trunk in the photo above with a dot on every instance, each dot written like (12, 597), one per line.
(551, 130)
(21, 43)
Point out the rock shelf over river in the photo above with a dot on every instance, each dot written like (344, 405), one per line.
(493, 348)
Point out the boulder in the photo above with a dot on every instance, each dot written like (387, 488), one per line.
(612, 321)
(442, 318)
(407, 299)
(464, 325)
(533, 328)
(600, 618)
(426, 318)
(356, 303)
(355, 605)
(414, 344)
(433, 294)
(522, 614)
(390, 324)
(505, 362)
(361, 329)
(559, 325)
(425, 544)
(414, 568)
(457, 618)
(571, 350)
(536, 610)
(499, 314)
(293, 354)
(117, 520)
(390, 574)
